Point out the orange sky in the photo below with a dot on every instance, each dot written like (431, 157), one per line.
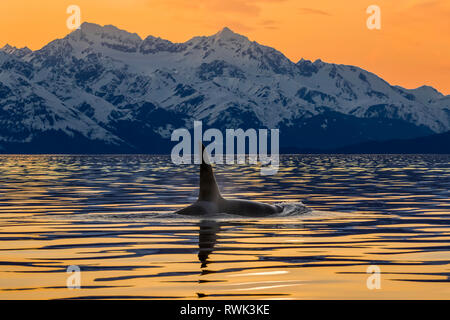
(411, 49)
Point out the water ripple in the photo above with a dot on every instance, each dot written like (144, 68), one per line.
(112, 217)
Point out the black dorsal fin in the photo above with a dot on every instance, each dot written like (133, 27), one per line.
(209, 191)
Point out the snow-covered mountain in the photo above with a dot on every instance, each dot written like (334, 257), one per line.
(104, 89)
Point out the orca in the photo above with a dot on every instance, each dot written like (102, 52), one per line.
(210, 201)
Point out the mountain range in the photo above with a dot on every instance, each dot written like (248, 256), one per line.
(105, 90)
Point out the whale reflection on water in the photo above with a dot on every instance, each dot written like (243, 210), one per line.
(207, 238)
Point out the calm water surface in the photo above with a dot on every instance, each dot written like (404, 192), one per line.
(111, 216)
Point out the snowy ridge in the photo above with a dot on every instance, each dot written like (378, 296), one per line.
(110, 85)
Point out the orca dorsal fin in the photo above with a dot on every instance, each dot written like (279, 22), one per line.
(209, 191)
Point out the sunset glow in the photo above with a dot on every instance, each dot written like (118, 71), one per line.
(411, 49)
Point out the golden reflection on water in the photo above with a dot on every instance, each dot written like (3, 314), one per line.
(111, 216)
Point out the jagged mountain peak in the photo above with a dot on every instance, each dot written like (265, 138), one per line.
(319, 63)
(428, 90)
(106, 36)
(426, 94)
(18, 52)
(226, 30)
(226, 34)
(7, 47)
(109, 30)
